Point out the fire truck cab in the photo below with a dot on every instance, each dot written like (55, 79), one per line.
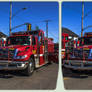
(81, 56)
(25, 51)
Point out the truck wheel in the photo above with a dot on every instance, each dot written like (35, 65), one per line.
(30, 68)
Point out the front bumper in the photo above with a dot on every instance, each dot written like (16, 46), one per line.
(78, 64)
(12, 65)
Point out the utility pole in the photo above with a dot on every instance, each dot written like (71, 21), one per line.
(46, 21)
(10, 17)
(47, 28)
(82, 19)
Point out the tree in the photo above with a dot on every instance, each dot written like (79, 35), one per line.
(37, 27)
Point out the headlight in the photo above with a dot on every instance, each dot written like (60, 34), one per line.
(20, 57)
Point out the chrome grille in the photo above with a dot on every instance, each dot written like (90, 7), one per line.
(86, 53)
(6, 53)
(11, 53)
(3, 53)
(81, 53)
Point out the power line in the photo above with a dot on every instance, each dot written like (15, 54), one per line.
(53, 35)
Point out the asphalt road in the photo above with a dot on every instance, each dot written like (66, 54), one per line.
(77, 81)
(43, 78)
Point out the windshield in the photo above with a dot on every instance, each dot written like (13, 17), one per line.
(18, 40)
(86, 41)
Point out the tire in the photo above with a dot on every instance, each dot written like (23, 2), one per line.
(30, 68)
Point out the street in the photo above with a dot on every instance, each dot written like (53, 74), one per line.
(78, 80)
(43, 78)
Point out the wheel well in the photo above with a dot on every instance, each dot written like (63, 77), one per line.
(32, 56)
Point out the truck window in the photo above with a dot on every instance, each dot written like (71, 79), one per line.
(18, 40)
(88, 41)
(62, 37)
(33, 41)
(66, 38)
(39, 40)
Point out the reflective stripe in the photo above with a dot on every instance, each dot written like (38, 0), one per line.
(35, 55)
(39, 55)
(16, 51)
(62, 49)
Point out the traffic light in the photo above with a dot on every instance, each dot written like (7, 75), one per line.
(29, 27)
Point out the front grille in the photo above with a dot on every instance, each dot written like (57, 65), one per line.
(78, 53)
(3, 53)
(86, 53)
(11, 53)
(6, 53)
(81, 54)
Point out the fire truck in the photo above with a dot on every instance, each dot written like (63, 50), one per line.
(65, 40)
(54, 57)
(80, 58)
(26, 51)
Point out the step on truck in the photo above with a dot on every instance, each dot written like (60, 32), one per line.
(26, 51)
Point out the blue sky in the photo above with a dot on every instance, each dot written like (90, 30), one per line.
(71, 16)
(35, 14)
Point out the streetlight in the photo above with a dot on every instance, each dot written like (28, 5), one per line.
(18, 12)
(12, 16)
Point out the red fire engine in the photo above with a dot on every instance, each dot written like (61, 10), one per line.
(80, 58)
(65, 40)
(54, 56)
(26, 51)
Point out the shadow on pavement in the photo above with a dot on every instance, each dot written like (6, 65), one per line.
(75, 74)
(12, 74)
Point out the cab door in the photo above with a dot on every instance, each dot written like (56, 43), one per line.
(34, 45)
(41, 48)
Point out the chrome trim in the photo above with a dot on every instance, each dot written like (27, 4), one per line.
(15, 54)
(78, 68)
(13, 65)
(78, 64)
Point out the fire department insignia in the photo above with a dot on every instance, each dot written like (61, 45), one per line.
(34, 51)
